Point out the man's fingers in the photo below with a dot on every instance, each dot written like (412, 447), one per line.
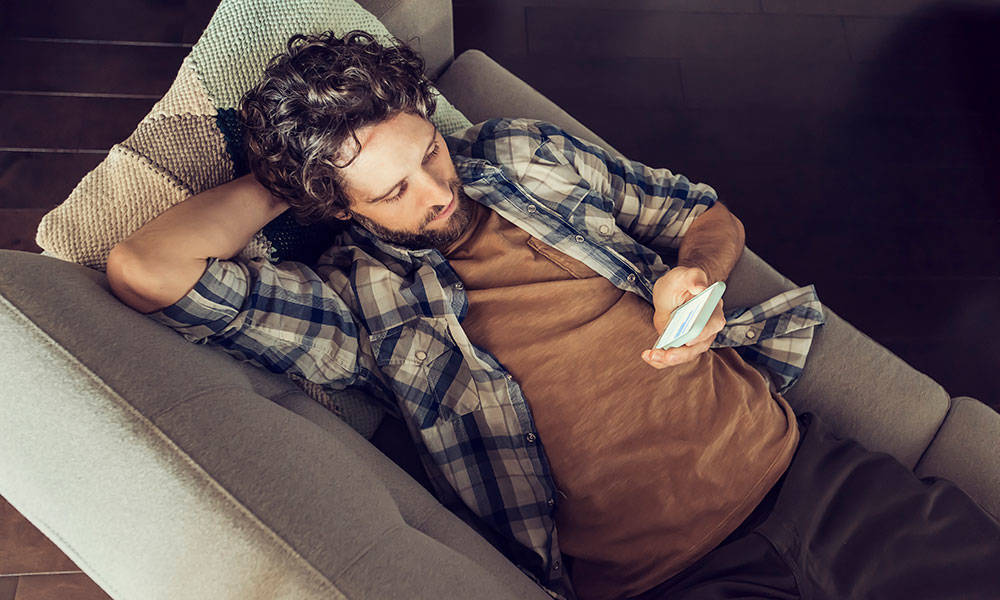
(667, 357)
(715, 324)
(693, 291)
(661, 358)
(658, 358)
(691, 352)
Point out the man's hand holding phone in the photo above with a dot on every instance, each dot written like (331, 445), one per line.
(673, 289)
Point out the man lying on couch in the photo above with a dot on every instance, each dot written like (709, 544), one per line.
(500, 291)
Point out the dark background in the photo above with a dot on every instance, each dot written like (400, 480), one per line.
(856, 140)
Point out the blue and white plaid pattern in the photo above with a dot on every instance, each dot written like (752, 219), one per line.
(377, 316)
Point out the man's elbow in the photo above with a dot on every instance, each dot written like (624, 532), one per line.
(721, 213)
(130, 280)
(738, 225)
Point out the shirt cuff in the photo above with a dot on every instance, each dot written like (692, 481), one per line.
(212, 305)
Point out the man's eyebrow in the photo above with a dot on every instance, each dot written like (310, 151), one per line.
(393, 188)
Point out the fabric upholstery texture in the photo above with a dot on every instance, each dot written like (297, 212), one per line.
(94, 433)
(969, 433)
(145, 457)
(191, 141)
(858, 386)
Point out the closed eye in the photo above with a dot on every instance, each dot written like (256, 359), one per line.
(403, 187)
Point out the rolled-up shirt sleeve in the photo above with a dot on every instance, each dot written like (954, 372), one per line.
(653, 205)
(282, 317)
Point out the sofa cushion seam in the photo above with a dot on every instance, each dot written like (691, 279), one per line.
(937, 432)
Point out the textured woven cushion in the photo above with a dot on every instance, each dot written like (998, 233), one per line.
(191, 141)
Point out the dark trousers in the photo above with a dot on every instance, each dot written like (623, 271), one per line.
(845, 523)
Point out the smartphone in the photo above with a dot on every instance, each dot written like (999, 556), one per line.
(688, 319)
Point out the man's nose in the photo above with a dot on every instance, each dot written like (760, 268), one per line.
(438, 193)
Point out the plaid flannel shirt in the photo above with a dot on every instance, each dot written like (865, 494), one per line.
(388, 320)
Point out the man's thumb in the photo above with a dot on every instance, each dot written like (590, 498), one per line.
(693, 291)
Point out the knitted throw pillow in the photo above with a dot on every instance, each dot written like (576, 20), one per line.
(191, 141)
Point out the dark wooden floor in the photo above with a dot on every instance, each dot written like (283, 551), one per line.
(857, 141)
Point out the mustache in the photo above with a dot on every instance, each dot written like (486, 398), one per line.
(456, 190)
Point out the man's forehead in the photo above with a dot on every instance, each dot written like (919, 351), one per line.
(388, 154)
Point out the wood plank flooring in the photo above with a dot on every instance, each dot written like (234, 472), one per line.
(857, 141)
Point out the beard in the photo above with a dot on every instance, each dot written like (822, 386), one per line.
(455, 225)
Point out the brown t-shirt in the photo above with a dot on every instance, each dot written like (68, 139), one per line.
(655, 466)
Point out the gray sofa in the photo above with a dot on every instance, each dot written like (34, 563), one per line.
(166, 469)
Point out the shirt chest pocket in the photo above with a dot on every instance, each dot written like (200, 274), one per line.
(548, 175)
(430, 377)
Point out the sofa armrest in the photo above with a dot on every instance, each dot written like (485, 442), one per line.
(161, 471)
(864, 391)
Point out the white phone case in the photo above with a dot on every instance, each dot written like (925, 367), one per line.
(688, 319)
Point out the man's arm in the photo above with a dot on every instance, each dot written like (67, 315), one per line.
(654, 206)
(160, 263)
(713, 243)
(181, 269)
(708, 252)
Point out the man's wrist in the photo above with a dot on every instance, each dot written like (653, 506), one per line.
(694, 265)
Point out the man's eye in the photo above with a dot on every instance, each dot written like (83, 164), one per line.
(433, 153)
(398, 196)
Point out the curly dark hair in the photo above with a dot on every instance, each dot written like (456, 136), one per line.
(312, 99)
